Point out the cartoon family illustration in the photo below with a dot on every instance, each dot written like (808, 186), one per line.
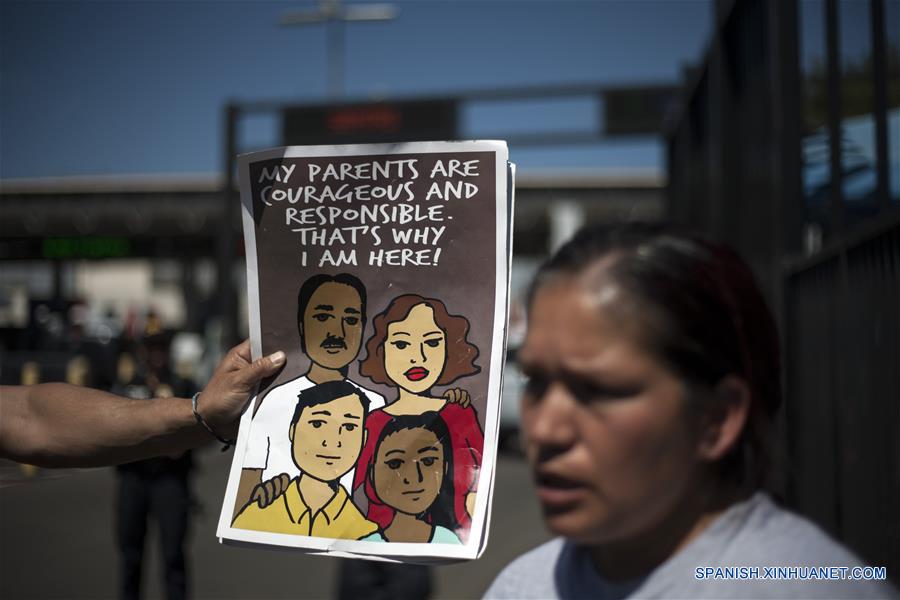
(329, 458)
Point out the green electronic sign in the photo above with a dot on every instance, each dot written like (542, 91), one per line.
(85, 247)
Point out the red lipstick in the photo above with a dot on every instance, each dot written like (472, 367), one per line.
(416, 373)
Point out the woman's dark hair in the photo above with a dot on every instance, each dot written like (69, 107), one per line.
(705, 317)
(461, 353)
(441, 510)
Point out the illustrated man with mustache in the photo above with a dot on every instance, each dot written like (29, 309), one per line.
(331, 318)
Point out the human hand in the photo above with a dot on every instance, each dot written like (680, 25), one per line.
(268, 491)
(458, 396)
(226, 394)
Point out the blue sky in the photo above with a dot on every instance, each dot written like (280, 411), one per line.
(99, 88)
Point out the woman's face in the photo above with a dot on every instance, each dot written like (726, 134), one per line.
(415, 350)
(409, 469)
(604, 421)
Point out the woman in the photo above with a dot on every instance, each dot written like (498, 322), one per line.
(413, 474)
(417, 344)
(653, 379)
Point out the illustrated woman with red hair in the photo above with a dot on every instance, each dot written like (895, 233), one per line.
(417, 345)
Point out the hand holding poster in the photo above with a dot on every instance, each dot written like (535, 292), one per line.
(382, 272)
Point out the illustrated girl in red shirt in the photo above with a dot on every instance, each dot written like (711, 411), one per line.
(418, 344)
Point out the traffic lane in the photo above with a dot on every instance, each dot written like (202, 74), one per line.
(58, 541)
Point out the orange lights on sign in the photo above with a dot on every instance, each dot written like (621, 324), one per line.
(365, 118)
(375, 122)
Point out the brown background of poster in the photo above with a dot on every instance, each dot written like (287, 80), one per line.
(464, 278)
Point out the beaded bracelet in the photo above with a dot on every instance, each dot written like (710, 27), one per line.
(228, 443)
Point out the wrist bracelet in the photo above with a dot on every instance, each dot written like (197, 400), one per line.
(228, 443)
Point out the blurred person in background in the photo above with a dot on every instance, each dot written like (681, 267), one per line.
(653, 378)
(68, 425)
(155, 488)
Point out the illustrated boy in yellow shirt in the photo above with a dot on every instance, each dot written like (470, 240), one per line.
(327, 434)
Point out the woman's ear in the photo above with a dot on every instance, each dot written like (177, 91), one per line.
(724, 418)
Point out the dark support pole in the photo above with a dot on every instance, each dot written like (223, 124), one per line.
(788, 118)
(833, 94)
(716, 123)
(786, 168)
(226, 238)
(837, 228)
(879, 70)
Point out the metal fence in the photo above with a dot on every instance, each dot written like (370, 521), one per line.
(828, 262)
(843, 392)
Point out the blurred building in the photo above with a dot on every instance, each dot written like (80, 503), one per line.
(84, 261)
(115, 240)
(786, 143)
(115, 248)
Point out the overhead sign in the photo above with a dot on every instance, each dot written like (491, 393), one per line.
(376, 122)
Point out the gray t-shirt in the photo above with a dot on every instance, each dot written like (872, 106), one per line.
(751, 534)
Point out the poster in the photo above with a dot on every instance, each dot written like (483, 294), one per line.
(382, 271)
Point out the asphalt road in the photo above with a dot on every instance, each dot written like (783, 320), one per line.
(56, 540)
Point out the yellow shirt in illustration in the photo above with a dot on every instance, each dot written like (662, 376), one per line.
(289, 514)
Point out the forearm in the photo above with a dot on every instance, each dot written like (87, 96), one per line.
(59, 425)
